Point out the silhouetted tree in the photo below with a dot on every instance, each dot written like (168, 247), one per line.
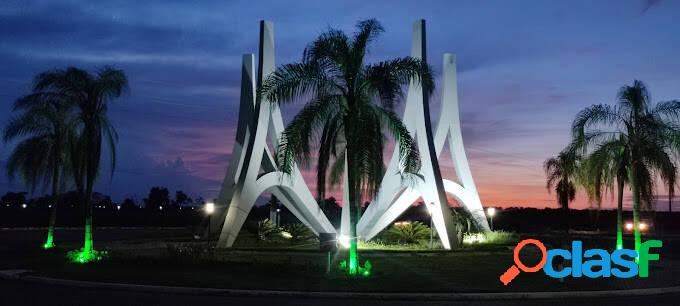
(181, 198)
(13, 199)
(128, 204)
(44, 125)
(650, 139)
(90, 95)
(158, 198)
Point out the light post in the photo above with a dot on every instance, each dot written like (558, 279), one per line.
(491, 212)
(278, 217)
(429, 210)
(209, 209)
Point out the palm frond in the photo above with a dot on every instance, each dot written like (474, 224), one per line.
(294, 81)
(388, 77)
(294, 143)
(593, 116)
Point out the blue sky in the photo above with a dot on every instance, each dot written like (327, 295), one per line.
(525, 69)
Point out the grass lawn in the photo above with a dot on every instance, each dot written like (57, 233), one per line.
(301, 267)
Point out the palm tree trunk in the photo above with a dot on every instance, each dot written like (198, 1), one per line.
(565, 214)
(619, 215)
(90, 175)
(354, 215)
(354, 203)
(49, 243)
(636, 206)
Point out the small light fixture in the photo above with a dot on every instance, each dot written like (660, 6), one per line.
(23, 205)
(118, 207)
(209, 208)
(629, 226)
(160, 207)
(642, 226)
(278, 210)
(402, 223)
(491, 211)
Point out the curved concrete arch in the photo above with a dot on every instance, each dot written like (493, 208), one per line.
(384, 210)
(243, 184)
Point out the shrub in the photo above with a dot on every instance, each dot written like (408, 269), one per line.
(265, 229)
(493, 237)
(298, 232)
(407, 232)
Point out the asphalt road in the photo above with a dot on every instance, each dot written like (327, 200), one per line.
(29, 293)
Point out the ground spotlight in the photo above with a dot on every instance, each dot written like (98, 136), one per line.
(209, 208)
(344, 241)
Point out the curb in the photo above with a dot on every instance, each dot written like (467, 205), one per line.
(21, 275)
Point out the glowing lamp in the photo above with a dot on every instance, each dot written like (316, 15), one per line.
(209, 208)
(491, 211)
(642, 226)
(344, 241)
(629, 226)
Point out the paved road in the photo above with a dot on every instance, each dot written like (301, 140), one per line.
(29, 293)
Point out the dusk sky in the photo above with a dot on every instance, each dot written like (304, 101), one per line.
(525, 69)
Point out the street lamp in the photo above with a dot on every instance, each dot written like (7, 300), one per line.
(278, 217)
(491, 212)
(209, 209)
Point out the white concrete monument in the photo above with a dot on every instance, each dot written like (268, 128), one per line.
(252, 169)
(394, 197)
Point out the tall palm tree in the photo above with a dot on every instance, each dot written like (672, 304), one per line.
(90, 94)
(648, 136)
(605, 169)
(562, 173)
(348, 105)
(41, 157)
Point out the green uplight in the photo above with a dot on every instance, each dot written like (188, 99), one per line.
(364, 271)
(49, 243)
(82, 256)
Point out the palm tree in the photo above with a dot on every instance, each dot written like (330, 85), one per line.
(90, 95)
(603, 170)
(648, 138)
(562, 173)
(349, 104)
(41, 157)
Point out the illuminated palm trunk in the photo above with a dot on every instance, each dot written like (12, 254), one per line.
(619, 216)
(49, 243)
(636, 206)
(93, 151)
(353, 266)
(87, 244)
